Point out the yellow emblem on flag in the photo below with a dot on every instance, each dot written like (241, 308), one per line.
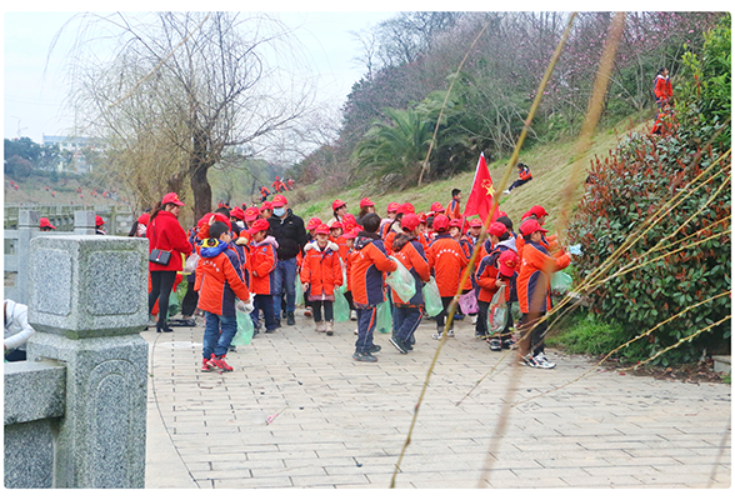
(488, 185)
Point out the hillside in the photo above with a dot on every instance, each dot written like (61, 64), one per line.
(32, 191)
(550, 165)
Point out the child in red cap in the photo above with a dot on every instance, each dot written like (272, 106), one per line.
(534, 294)
(321, 272)
(263, 262)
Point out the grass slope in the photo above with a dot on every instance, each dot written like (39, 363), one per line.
(550, 165)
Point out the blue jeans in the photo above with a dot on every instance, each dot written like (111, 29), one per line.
(285, 272)
(406, 321)
(218, 333)
(366, 319)
(265, 303)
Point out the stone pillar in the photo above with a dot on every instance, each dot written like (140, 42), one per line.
(28, 227)
(84, 222)
(88, 304)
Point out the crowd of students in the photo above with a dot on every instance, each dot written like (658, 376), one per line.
(253, 258)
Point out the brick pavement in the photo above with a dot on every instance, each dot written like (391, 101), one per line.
(344, 423)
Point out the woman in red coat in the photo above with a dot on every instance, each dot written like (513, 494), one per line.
(165, 233)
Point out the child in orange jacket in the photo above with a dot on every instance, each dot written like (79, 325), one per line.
(263, 262)
(407, 315)
(524, 176)
(448, 261)
(534, 293)
(321, 272)
(219, 282)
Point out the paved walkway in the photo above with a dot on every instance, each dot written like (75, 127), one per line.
(342, 424)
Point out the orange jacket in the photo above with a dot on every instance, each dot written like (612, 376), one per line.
(369, 262)
(321, 269)
(662, 88)
(219, 279)
(487, 274)
(534, 279)
(525, 174)
(453, 210)
(411, 254)
(263, 261)
(448, 261)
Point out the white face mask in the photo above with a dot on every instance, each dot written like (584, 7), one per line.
(279, 212)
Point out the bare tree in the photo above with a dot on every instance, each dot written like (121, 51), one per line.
(184, 90)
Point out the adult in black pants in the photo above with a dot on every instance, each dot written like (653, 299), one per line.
(165, 233)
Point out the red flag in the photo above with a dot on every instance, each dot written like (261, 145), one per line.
(482, 195)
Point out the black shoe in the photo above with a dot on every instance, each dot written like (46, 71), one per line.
(163, 328)
(374, 348)
(364, 356)
(495, 345)
(272, 330)
(411, 340)
(284, 314)
(398, 344)
(290, 321)
(231, 348)
(278, 322)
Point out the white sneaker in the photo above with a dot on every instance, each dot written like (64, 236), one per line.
(450, 333)
(506, 192)
(543, 363)
(474, 320)
(436, 336)
(353, 315)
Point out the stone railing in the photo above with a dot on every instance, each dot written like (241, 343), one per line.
(118, 219)
(75, 412)
(18, 243)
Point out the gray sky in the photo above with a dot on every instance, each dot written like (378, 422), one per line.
(33, 101)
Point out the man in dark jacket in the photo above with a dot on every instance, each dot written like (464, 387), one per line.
(289, 231)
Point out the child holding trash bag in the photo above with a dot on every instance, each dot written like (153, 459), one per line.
(448, 261)
(534, 294)
(321, 273)
(487, 276)
(407, 314)
(219, 282)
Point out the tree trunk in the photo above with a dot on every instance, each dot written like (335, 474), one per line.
(200, 187)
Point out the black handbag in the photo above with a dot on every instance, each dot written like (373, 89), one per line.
(160, 256)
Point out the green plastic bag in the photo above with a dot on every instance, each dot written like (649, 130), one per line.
(299, 291)
(343, 287)
(244, 329)
(432, 298)
(383, 321)
(341, 307)
(561, 283)
(497, 312)
(173, 305)
(515, 309)
(401, 281)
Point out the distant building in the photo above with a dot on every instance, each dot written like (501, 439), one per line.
(75, 145)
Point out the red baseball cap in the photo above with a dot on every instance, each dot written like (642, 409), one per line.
(406, 208)
(536, 210)
(336, 225)
(455, 223)
(423, 217)
(351, 235)
(508, 263)
(267, 205)
(144, 218)
(251, 214)
(365, 202)
(172, 198)
(237, 213)
(531, 226)
(338, 203)
(475, 223)
(322, 229)
(441, 222)
(222, 218)
(98, 221)
(392, 207)
(44, 222)
(313, 224)
(258, 226)
(409, 222)
(497, 229)
(279, 201)
(437, 207)
(500, 213)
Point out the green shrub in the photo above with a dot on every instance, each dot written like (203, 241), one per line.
(643, 173)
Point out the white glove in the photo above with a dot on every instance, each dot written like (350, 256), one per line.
(246, 307)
